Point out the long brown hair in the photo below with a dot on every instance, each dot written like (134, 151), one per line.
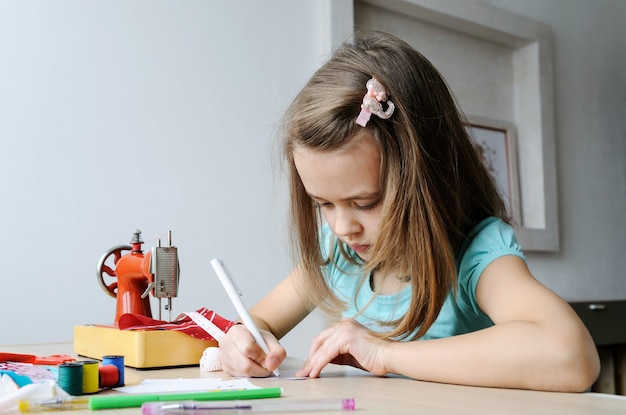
(435, 185)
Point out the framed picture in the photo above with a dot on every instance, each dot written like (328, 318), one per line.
(497, 145)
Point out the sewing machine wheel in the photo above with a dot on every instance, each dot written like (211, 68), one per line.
(116, 253)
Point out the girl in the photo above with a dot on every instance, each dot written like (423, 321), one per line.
(400, 231)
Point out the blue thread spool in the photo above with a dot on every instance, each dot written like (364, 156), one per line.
(118, 362)
(71, 378)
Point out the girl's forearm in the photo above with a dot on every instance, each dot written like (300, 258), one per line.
(521, 355)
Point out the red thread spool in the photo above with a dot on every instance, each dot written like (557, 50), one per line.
(109, 376)
(118, 362)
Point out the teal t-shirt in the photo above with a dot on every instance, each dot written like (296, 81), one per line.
(489, 240)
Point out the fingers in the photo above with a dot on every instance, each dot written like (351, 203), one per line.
(276, 353)
(324, 348)
(240, 355)
(346, 343)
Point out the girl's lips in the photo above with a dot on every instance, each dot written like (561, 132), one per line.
(359, 249)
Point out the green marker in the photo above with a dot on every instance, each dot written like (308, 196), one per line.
(130, 401)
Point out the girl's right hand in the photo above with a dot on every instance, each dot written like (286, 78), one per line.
(240, 355)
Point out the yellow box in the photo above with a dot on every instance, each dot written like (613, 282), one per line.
(142, 349)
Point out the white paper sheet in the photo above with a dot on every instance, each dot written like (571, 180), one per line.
(188, 385)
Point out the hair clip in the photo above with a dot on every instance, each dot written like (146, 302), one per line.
(376, 94)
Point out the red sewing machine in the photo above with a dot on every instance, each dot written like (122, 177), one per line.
(137, 275)
(127, 274)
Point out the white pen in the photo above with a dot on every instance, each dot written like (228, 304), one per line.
(235, 297)
(245, 407)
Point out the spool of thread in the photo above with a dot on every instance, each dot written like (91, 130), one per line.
(117, 362)
(91, 377)
(109, 376)
(71, 378)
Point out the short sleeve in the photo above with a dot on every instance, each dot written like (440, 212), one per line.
(489, 240)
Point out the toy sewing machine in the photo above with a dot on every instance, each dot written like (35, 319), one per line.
(137, 276)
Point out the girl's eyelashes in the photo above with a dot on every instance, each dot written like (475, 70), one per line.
(367, 207)
(320, 205)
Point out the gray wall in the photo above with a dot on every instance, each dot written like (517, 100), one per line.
(590, 114)
(161, 115)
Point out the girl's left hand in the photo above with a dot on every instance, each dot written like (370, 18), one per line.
(347, 342)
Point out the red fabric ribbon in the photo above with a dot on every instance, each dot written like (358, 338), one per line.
(183, 323)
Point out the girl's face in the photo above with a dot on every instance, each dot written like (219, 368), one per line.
(345, 184)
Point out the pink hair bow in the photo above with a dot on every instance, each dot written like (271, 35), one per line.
(376, 94)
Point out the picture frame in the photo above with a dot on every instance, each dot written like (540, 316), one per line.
(497, 144)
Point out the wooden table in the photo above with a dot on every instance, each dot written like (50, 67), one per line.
(382, 395)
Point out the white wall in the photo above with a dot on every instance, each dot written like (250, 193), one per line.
(157, 115)
(590, 111)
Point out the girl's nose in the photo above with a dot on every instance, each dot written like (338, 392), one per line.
(345, 223)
